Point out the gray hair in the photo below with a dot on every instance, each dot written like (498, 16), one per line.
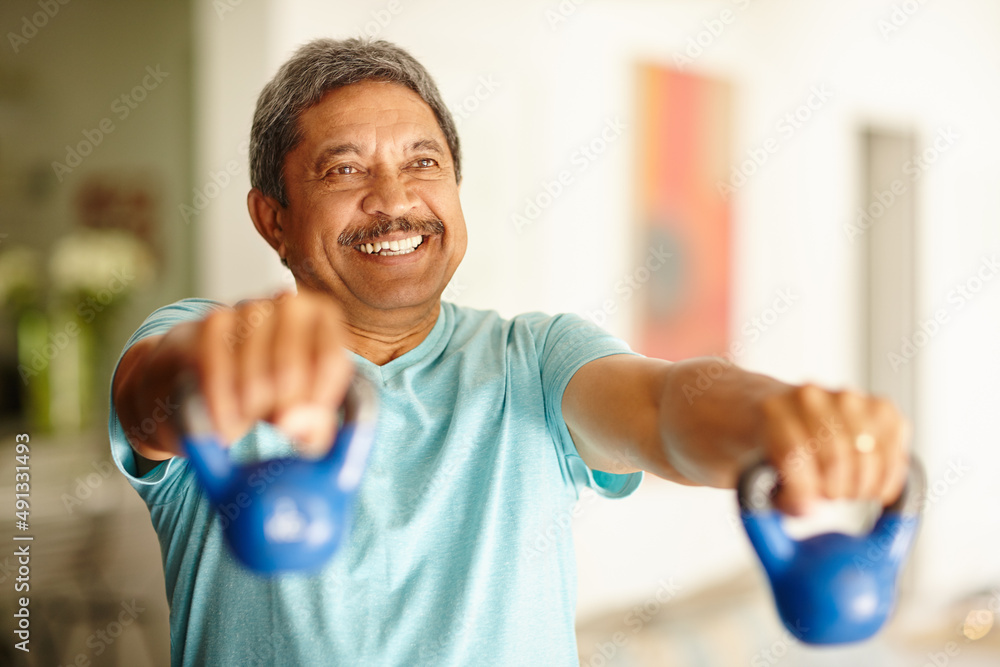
(315, 69)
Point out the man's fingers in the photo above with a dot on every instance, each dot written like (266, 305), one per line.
(291, 349)
(876, 447)
(893, 445)
(828, 434)
(310, 425)
(312, 421)
(250, 344)
(895, 480)
(870, 450)
(798, 473)
(217, 374)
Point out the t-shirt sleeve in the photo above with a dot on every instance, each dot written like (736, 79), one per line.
(161, 484)
(564, 344)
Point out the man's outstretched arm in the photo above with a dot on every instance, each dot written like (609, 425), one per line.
(701, 421)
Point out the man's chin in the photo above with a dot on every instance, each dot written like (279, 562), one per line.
(410, 298)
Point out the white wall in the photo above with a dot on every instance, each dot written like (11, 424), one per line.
(557, 85)
(233, 64)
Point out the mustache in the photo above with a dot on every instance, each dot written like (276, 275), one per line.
(380, 226)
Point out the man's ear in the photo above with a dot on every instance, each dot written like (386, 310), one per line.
(266, 213)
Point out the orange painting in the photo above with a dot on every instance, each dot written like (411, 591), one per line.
(684, 131)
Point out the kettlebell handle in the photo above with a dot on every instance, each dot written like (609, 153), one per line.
(211, 461)
(193, 419)
(759, 484)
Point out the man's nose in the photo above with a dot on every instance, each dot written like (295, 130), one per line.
(388, 196)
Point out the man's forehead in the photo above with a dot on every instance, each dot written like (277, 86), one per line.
(363, 120)
(367, 116)
(370, 102)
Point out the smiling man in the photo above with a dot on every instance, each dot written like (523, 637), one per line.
(488, 428)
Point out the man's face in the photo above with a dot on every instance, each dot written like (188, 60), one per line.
(373, 167)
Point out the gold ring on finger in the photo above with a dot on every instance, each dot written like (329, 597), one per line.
(865, 443)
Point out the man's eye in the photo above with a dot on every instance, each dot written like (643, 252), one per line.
(426, 162)
(343, 170)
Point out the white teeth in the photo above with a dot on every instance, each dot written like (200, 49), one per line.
(388, 248)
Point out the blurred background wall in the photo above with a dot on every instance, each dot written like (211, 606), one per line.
(530, 83)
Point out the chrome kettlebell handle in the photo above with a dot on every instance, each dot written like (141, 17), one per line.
(759, 483)
(212, 462)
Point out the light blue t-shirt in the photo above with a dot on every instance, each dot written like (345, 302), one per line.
(460, 551)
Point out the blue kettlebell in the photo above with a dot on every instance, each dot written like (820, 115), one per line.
(831, 588)
(285, 514)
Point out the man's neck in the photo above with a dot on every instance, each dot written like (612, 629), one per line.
(380, 341)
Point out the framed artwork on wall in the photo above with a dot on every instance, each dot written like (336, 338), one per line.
(683, 155)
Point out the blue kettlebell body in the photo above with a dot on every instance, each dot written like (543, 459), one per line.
(285, 514)
(830, 588)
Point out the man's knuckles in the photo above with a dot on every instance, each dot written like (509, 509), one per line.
(810, 398)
